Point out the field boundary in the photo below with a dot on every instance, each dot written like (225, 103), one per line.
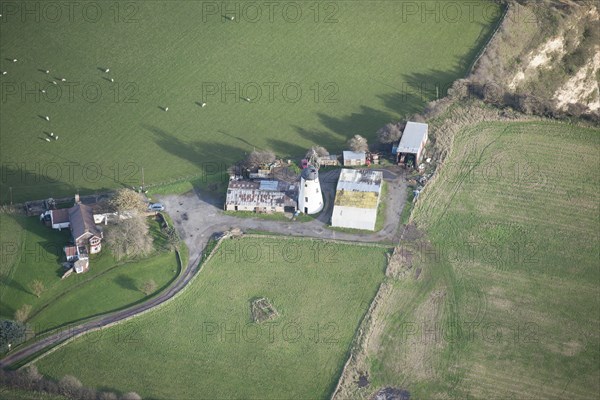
(485, 47)
(363, 331)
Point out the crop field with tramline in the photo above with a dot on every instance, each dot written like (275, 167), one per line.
(209, 340)
(281, 81)
(501, 300)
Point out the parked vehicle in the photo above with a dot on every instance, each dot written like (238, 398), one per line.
(156, 207)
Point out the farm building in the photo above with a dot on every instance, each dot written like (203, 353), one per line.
(357, 199)
(261, 196)
(84, 230)
(80, 220)
(412, 143)
(329, 160)
(354, 158)
(310, 199)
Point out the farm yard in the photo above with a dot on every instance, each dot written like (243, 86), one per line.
(206, 338)
(497, 293)
(319, 79)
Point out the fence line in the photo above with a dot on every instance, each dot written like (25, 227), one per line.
(484, 48)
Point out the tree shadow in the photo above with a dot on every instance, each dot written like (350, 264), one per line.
(364, 123)
(286, 149)
(254, 146)
(11, 283)
(213, 159)
(126, 282)
(327, 139)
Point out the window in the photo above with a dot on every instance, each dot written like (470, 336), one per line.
(317, 190)
(306, 199)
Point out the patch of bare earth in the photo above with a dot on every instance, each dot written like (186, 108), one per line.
(583, 87)
(540, 58)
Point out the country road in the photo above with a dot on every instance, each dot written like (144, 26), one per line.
(197, 217)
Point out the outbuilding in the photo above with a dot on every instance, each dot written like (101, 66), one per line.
(356, 199)
(354, 158)
(412, 143)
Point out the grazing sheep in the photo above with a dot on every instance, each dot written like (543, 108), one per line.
(247, 99)
(14, 60)
(203, 105)
(47, 140)
(3, 72)
(107, 70)
(51, 133)
(47, 71)
(54, 83)
(63, 80)
(56, 137)
(112, 80)
(231, 18)
(42, 90)
(166, 108)
(47, 118)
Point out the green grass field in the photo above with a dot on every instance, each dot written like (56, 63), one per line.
(358, 65)
(506, 300)
(205, 345)
(36, 253)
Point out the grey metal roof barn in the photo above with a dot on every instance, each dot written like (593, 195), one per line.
(413, 140)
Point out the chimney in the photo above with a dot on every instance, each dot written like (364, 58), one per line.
(77, 199)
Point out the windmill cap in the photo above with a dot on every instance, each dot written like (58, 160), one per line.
(309, 173)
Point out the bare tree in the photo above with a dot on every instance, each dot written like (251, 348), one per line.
(37, 287)
(69, 386)
(149, 287)
(128, 200)
(22, 313)
(32, 375)
(130, 237)
(319, 150)
(390, 133)
(258, 158)
(131, 396)
(358, 143)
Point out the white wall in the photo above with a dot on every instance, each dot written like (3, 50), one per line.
(352, 217)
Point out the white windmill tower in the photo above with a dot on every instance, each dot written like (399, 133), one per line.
(310, 198)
